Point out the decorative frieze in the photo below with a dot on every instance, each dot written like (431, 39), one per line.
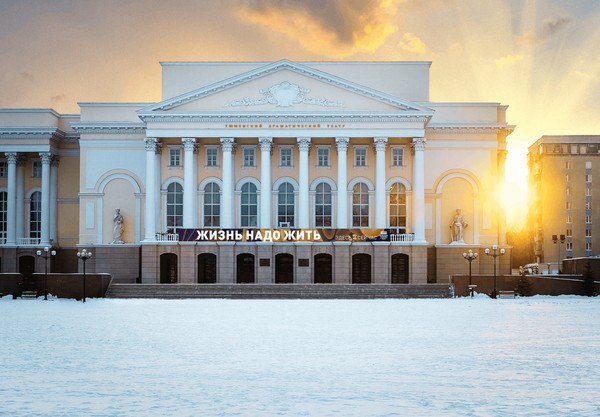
(284, 94)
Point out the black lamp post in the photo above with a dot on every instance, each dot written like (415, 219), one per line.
(494, 252)
(84, 255)
(556, 240)
(470, 256)
(46, 253)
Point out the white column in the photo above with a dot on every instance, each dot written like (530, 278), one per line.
(303, 180)
(418, 213)
(157, 190)
(265, 182)
(54, 198)
(150, 207)
(189, 183)
(380, 203)
(227, 208)
(11, 195)
(46, 158)
(20, 224)
(342, 183)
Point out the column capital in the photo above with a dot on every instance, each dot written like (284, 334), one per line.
(380, 143)
(303, 144)
(46, 157)
(55, 161)
(189, 144)
(266, 143)
(151, 144)
(342, 143)
(418, 144)
(227, 144)
(11, 157)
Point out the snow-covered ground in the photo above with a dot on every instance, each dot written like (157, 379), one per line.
(460, 357)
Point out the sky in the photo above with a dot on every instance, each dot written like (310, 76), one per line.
(539, 57)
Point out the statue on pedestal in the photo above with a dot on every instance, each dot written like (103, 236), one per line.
(117, 227)
(457, 228)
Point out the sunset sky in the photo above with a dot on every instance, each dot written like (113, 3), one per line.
(540, 57)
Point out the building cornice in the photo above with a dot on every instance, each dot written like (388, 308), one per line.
(49, 133)
(283, 117)
(108, 127)
(469, 128)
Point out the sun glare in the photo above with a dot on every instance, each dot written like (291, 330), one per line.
(514, 189)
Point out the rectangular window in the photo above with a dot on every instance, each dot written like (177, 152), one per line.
(574, 149)
(588, 246)
(588, 219)
(588, 192)
(212, 156)
(569, 218)
(36, 169)
(285, 156)
(588, 178)
(588, 165)
(567, 178)
(568, 205)
(360, 156)
(588, 232)
(568, 165)
(3, 169)
(174, 156)
(569, 233)
(569, 245)
(397, 157)
(323, 157)
(588, 205)
(249, 157)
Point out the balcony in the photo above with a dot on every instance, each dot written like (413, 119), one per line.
(28, 241)
(167, 237)
(402, 237)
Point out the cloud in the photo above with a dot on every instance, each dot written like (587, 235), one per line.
(58, 98)
(508, 59)
(550, 27)
(336, 27)
(412, 43)
(26, 75)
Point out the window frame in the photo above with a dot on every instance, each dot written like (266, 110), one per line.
(175, 156)
(286, 148)
(207, 158)
(360, 161)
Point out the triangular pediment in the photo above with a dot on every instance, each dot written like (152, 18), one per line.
(285, 87)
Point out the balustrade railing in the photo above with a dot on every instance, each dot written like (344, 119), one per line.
(402, 237)
(167, 237)
(28, 241)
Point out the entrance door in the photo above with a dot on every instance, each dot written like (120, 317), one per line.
(284, 268)
(323, 268)
(245, 268)
(207, 268)
(168, 268)
(26, 265)
(399, 268)
(361, 268)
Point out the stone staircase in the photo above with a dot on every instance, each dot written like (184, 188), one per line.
(280, 291)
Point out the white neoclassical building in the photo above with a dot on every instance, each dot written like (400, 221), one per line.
(266, 172)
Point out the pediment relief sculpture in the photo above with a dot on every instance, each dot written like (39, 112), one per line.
(284, 94)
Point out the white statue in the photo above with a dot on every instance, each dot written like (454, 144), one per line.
(117, 227)
(457, 227)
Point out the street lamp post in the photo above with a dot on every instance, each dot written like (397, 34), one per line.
(494, 252)
(46, 253)
(84, 255)
(558, 240)
(470, 256)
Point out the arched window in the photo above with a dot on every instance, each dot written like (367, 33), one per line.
(323, 205)
(212, 205)
(398, 207)
(285, 205)
(249, 207)
(174, 205)
(3, 211)
(360, 205)
(35, 215)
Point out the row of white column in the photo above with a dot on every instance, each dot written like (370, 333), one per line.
(15, 226)
(266, 143)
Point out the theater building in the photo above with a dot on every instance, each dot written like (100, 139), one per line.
(260, 172)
